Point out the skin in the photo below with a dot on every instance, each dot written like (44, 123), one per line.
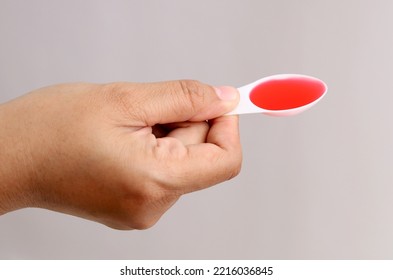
(120, 154)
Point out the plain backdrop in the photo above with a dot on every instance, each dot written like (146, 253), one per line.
(315, 186)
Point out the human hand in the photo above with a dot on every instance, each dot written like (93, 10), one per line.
(120, 154)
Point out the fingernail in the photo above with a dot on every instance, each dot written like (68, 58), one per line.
(226, 93)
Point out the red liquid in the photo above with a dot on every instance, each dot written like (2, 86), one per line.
(283, 94)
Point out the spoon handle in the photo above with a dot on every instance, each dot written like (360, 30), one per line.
(245, 105)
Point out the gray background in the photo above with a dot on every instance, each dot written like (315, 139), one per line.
(314, 186)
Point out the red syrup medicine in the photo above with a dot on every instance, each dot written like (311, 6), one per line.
(288, 93)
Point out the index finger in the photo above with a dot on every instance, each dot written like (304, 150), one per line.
(217, 160)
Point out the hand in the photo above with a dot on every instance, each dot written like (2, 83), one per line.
(120, 154)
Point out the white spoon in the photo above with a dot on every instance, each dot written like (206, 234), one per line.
(280, 95)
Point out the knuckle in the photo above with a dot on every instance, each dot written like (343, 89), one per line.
(235, 170)
(226, 166)
(232, 166)
(143, 224)
(236, 165)
(147, 205)
(190, 86)
(193, 91)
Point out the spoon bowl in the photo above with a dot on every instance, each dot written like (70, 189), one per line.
(280, 95)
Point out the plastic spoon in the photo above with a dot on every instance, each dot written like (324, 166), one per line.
(280, 95)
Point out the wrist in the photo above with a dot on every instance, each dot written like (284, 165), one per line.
(16, 166)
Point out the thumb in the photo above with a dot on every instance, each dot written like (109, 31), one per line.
(184, 100)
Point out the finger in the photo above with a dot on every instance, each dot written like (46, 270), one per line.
(176, 101)
(224, 133)
(213, 162)
(190, 133)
